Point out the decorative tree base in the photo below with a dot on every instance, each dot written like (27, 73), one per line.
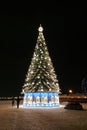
(41, 99)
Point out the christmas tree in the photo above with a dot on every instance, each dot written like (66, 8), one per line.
(41, 86)
(41, 75)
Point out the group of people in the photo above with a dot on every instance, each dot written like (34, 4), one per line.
(17, 101)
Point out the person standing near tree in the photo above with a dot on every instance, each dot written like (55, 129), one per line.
(18, 102)
(13, 101)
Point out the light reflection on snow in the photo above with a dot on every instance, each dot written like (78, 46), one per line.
(60, 106)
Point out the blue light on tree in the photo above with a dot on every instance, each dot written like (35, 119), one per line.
(41, 99)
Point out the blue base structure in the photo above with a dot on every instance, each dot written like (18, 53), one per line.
(41, 99)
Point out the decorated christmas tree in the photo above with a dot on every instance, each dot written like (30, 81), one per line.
(41, 77)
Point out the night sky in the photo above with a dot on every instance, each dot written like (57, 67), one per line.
(65, 32)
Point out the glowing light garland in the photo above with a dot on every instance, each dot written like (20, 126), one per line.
(41, 99)
(41, 87)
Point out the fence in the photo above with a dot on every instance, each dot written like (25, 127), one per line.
(62, 98)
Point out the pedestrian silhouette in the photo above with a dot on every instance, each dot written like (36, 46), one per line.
(13, 102)
(18, 101)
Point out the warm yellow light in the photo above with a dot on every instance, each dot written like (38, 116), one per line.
(70, 91)
(31, 72)
(40, 29)
(38, 77)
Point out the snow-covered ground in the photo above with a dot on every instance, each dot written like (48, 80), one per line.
(42, 118)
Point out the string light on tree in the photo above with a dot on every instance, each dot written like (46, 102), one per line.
(41, 79)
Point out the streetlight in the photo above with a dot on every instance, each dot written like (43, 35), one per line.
(70, 91)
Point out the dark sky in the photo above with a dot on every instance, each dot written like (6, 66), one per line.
(65, 32)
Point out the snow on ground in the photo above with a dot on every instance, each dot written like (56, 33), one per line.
(42, 118)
